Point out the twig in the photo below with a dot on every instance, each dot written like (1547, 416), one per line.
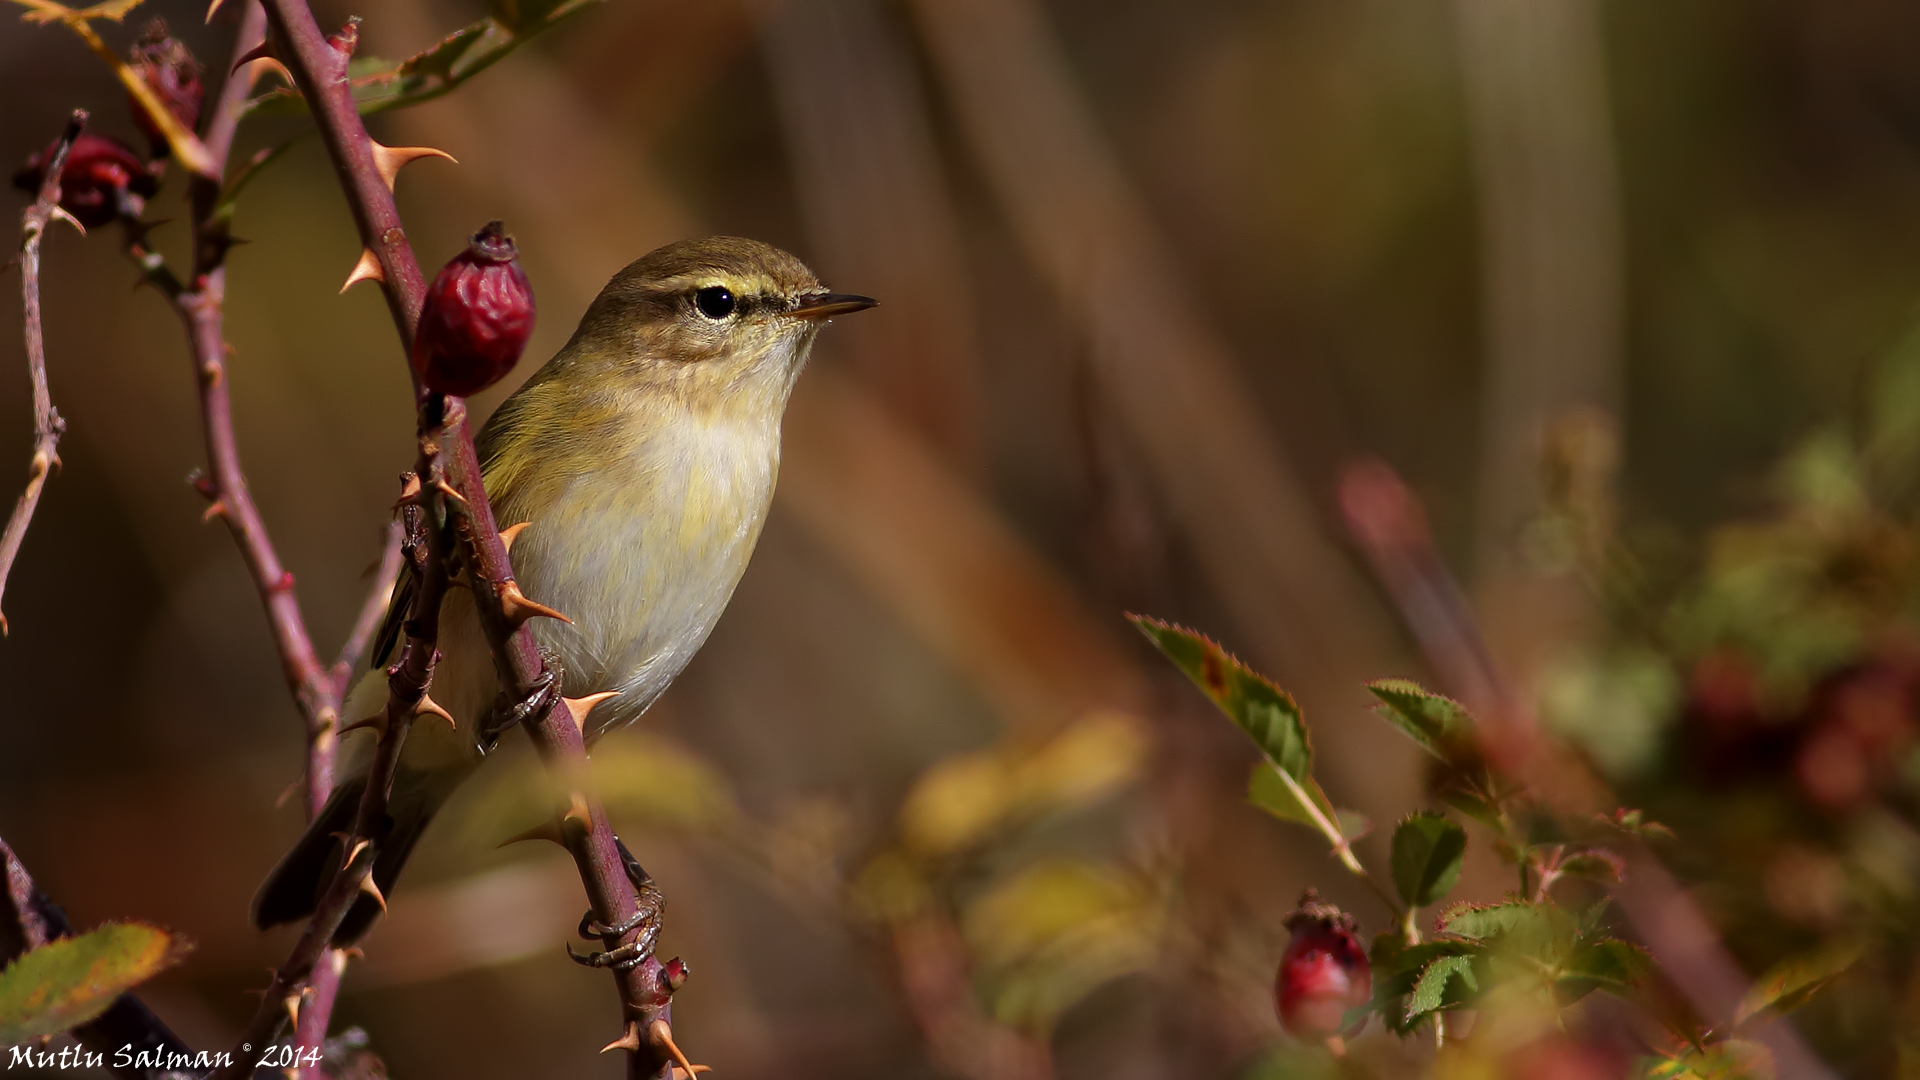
(317, 689)
(1385, 519)
(47, 425)
(303, 986)
(320, 71)
(372, 610)
(201, 307)
(28, 920)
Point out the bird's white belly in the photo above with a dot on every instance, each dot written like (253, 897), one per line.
(643, 558)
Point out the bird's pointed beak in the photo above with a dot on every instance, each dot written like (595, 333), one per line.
(827, 305)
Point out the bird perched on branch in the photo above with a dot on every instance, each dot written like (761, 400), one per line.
(642, 459)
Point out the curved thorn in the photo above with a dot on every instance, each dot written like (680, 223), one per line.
(389, 160)
(262, 51)
(377, 722)
(367, 269)
(367, 886)
(546, 830)
(629, 1040)
(511, 533)
(450, 491)
(60, 214)
(661, 1036)
(427, 706)
(518, 609)
(579, 707)
(577, 815)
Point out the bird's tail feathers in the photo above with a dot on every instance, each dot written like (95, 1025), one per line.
(293, 889)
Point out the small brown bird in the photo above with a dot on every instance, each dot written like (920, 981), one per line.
(643, 458)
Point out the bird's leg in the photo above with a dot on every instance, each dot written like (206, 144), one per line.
(647, 918)
(507, 715)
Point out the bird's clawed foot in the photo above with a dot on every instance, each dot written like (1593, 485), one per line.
(646, 919)
(506, 716)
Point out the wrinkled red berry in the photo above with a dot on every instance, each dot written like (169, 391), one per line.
(103, 179)
(476, 318)
(1323, 973)
(173, 75)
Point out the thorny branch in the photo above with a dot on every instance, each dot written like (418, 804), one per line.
(1387, 523)
(319, 69)
(201, 308)
(28, 920)
(303, 987)
(47, 425)
(317, 689)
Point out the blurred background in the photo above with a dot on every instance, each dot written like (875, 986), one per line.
(1624, 291)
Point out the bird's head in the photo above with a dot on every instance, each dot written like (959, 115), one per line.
(715, 316)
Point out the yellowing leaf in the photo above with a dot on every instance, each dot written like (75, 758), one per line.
(1085, 763)
(890, 888)
(1056, 931)
(1791, 982)
(643, 779)
(68, 982)
(956, 802)
(961, 800)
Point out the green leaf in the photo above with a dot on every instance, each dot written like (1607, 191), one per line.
(1483, 921)
(1595, 864)
(1436, 987)
(1427, 852)
(1608, 963)
(1267, 790)
(1353, 824)
(520, 14)
(1790, 983)
(1262, 710)
(439, 58)
(1441, 725)
(1397, 967)
(444, 65)
(68, 982)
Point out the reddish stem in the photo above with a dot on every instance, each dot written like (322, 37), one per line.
(320, 72)
(47, 425)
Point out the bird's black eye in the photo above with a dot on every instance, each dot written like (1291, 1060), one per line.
(714, 301)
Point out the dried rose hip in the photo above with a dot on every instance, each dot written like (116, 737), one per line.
(476, 318)
(173, 75)
(1324, 971)
(104, 179)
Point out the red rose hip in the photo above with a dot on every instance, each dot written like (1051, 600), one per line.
(1323, 973)
(173, 75)
(476, 318)
(103, 179)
